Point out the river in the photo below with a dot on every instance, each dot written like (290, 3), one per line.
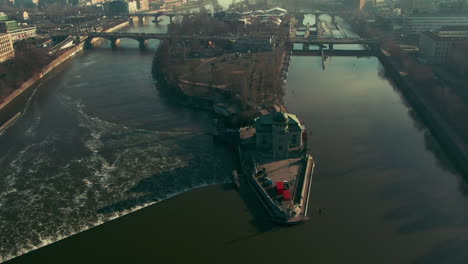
(98, 142)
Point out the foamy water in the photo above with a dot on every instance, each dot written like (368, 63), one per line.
(45, 197)
(96, 143)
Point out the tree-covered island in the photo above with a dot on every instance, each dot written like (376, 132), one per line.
(240, 71)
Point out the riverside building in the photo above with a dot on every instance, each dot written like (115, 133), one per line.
(143, 5)
(132, 7)
(414, 25)
(17, 33)
(23, 33)
(409, 7)
(458, 59)
(436, 46)
(6, 47)
(173, 3)
(279, 132)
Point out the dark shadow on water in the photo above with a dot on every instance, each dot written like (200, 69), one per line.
(260, 218)
(442, 159)
(432, 144)
(451, 251)
(254, 205)
(163, 185)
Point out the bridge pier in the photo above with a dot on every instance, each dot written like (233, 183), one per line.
(88, 44)
(140, 20)
(76, 40)
(330, 46)
(130, 20)
(143, 43)
(114, 42)
(305, 46)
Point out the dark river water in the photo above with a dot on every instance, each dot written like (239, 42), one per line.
(98, 142)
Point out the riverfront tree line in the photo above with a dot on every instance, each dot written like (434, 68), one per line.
(27, 62)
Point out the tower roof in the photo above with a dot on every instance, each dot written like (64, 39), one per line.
(280, 117)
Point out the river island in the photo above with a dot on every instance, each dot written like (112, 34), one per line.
(239, 74)
(232, 66)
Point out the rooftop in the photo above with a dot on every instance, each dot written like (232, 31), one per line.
(454, 28)
(457, 35)
(456, 18)
(276, 9)
(268, 119)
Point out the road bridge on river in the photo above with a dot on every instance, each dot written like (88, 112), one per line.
(333, 41)
(156, 15)
(142, 38)
(334, 53)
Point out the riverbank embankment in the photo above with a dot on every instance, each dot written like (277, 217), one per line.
(14, 104)
(449, 140)
(422, 95)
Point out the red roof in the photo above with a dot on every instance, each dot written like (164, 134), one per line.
(287, 195)
(279, 187)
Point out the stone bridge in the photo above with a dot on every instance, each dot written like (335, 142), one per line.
(156, 15)
(142, 38)
(171, 15)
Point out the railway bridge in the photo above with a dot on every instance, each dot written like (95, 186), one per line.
(371, 42)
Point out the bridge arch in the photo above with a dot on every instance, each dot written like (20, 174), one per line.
(115, 40)
(318, 15)
(176, 18)
(89, 43)
(164, 17)
(142, 16)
